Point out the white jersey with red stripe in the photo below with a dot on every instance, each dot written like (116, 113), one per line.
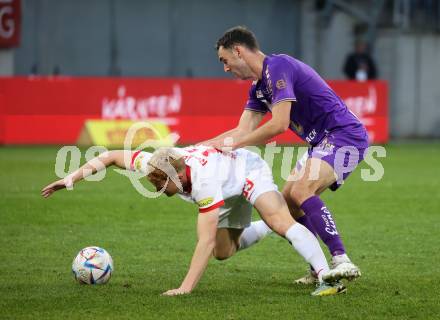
(217, 176)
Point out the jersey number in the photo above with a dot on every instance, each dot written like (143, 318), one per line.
(248, 189)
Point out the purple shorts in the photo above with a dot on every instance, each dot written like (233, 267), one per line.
(343, 150)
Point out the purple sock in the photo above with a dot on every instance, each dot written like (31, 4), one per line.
(305, 221)
(322, 221)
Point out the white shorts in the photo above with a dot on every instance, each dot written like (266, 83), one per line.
(259, 179)
(236, 213)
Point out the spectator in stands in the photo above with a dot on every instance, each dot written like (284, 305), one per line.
(359, 65)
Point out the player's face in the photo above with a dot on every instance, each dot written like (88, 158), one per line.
(170, 189)
(234, 63)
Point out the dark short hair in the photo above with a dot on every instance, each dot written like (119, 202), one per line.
(238, 35)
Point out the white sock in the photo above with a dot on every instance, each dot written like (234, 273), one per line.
(308, 247)
(254, 233)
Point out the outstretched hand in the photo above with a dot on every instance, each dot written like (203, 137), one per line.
(176, 292)
(55, 186)
(219, 144)
(207, 143)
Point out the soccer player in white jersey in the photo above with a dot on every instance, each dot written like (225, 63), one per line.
(225, 186)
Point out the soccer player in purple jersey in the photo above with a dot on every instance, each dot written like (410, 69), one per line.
(299, 100)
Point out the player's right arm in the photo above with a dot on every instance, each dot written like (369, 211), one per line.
(206, 233)
(119, 158)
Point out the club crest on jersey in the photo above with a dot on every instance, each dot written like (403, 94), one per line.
(259, 94)
(281, 84)
(326, 145)
(205, 202)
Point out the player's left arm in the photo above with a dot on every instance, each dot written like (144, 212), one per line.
(279, 123)
(206, 230)
(249, 121)
(283, 76)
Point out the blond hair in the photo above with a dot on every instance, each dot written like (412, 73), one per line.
(166, 162)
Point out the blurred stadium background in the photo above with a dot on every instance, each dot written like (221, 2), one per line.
(81, 72)
(61, 61)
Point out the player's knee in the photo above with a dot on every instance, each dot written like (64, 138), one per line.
(220, 257)
(286, 194)
(222, 253)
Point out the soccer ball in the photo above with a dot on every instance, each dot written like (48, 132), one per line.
(92, 265)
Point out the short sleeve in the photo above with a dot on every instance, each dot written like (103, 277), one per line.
(282, 78)
(253, 104)
(207, 195)
(139, 161)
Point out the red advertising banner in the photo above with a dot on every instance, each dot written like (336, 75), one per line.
(10, 23)
(53, 110)
(369, 102)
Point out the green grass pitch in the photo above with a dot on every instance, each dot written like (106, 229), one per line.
(390, 229)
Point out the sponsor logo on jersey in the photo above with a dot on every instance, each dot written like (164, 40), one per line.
(297, 127)
(205, 202)
(281, 84)
(311, 136)
(138, 163)
(268, 81)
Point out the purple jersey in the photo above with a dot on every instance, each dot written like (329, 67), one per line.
(317, 110)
